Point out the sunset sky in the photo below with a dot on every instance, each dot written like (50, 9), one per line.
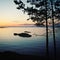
(10, 16)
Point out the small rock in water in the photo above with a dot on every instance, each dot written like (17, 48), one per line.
(27, 32)
(15, 34)
(23, 34)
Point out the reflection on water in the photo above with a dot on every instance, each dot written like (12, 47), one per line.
(7, 33)
(34, 45)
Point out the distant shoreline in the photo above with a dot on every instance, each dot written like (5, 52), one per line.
(3, 27)
(27, 26)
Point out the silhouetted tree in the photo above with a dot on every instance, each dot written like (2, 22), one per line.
(40, 11)
(55, 7)
(38, 14)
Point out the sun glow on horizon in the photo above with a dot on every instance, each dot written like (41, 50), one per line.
(14, 23)
(10, 16)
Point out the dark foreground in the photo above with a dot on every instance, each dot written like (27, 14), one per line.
(8, 55)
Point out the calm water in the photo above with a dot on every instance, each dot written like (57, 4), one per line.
(35, 45)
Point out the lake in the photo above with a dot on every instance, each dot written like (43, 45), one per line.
(35, 45)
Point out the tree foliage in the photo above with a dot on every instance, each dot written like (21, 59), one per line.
(37, 13)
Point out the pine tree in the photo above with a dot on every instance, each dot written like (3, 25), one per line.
(39, 12)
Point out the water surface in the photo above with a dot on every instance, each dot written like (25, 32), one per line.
(35, 45)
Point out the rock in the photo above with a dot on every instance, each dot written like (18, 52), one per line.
(15, 34)
(27, 32)
(24, 35)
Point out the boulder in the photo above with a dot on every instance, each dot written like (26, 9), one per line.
(22, 34)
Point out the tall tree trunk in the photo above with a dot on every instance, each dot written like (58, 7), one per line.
(53, 25)
(47, 51)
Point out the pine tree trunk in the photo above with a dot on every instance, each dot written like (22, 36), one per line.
(47, 51)
(54, 40)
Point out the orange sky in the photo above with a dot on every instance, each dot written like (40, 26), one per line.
(10, 16)
(14, 23)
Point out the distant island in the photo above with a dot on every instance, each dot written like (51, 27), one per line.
(2, 27)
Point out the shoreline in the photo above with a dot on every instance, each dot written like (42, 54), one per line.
(16, 56)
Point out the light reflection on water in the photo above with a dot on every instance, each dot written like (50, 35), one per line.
(34, 45)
